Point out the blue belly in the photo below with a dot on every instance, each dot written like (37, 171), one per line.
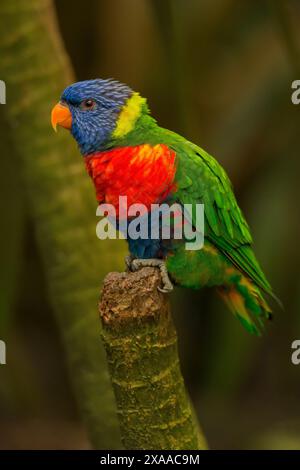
(147, 248)
(146, 245)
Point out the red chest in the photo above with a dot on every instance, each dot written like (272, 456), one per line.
(143, 173)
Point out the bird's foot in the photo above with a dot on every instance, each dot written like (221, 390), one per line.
(136, 264)
(128, 261)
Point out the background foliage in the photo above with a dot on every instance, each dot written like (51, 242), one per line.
(220, 73)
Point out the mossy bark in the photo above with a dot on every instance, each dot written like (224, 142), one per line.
(141, 345)
(36, 69)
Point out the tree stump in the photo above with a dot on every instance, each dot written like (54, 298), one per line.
(153, 406)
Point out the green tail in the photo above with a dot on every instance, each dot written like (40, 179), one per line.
(246, 302)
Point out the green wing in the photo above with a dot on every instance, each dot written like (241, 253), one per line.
(200, 179)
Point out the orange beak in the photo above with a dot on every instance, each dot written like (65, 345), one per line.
(61, 116)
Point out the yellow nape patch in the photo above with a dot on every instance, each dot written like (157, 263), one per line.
(129, 114)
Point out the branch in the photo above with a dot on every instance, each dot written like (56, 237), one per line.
(141, 346)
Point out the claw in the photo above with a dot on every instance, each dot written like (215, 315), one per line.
(165, 290)
(128, 263)
(167, 284)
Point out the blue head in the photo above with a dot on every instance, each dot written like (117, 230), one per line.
(94, 106)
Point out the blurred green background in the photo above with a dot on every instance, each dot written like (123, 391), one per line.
(220, 73)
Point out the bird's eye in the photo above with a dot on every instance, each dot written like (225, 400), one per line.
(88, 104)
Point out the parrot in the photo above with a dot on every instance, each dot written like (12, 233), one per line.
(127, 153)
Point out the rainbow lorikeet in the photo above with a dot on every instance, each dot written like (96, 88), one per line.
(127, 153)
